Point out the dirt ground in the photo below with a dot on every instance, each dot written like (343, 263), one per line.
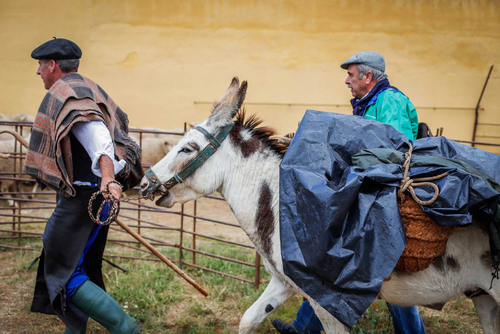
(16, 292)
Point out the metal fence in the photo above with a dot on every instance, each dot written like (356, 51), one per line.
(178, 234)
(25, 209)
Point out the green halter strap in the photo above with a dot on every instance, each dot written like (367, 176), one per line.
(194, 164)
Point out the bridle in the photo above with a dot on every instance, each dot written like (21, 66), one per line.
(198, 161)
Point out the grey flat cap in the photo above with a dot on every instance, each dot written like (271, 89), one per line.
(57, 48)
(370, 58)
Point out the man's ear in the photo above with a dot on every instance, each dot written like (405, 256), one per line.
(52, 65)
(369, 77)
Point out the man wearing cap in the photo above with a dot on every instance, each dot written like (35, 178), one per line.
(373, 98)
(78, 144)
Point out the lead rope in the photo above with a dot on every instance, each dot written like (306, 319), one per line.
(113, 210)
(494, 275)
(115, 204)
(408, 183)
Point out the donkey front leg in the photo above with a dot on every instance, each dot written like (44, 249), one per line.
(330, 324)
(489, 314)
(275, 295)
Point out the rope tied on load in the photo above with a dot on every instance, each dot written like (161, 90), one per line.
(409, 183)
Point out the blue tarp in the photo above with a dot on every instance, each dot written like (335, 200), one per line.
(341, 232)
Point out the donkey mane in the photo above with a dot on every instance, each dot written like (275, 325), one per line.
(258, 138)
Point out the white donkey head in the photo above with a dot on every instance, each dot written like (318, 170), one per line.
(192, 151)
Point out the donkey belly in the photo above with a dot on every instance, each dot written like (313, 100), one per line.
(414, 289)
(466, 264)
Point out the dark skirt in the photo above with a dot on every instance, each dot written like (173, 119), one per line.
(64, 239)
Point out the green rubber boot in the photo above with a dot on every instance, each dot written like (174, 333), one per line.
(67, 330)
(97, 304)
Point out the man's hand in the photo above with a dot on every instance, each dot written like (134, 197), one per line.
(107, 170)
(114, 189)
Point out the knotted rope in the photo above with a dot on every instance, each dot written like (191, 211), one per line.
(408, 183)
(114, 206)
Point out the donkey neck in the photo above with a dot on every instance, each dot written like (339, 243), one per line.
(251, 189)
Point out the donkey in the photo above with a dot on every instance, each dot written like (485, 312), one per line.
(245, 169)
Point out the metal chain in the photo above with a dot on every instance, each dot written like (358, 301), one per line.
(128, 199)
(113, 210)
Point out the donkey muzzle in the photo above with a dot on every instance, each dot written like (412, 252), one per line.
(151, 185)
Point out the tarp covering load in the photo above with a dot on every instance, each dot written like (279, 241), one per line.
(341, 232)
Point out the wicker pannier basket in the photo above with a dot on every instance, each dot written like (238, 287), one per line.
(425, 240)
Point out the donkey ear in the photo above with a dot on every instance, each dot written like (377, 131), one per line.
(229, 104)
(230, 92)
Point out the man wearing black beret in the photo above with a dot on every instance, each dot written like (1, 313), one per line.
(56, 58)
(78, 144)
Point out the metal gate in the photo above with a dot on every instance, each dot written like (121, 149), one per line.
(187, 236)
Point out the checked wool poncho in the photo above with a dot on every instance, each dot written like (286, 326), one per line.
(53, 161)
(73, 98)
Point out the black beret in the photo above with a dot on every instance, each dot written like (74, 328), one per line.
(57, 48)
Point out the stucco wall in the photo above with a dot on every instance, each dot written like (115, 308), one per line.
(165, 62)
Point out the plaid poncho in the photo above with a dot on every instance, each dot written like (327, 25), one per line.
(72, 99)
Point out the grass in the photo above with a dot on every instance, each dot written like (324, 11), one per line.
(165, 303)
(376, 319)
(154, 294)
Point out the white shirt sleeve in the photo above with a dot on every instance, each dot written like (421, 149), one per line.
(96, 139)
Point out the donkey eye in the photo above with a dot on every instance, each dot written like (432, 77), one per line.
(185, 150)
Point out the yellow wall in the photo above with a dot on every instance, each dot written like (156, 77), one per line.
(165, 62)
